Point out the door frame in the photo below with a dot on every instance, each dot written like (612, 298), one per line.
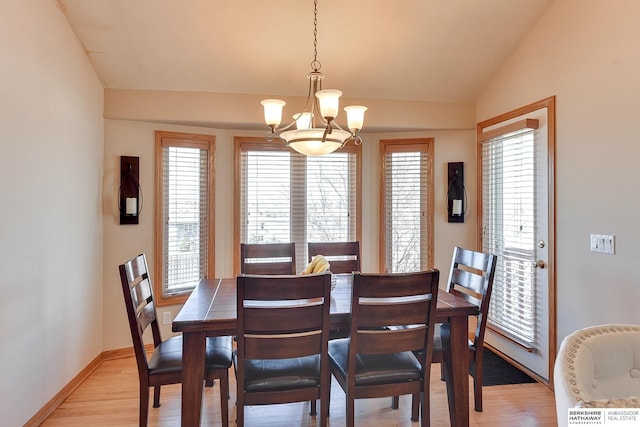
(549, 104)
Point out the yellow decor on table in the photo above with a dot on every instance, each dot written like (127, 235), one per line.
(318, 264)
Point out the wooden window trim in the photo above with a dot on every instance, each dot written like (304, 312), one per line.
(193, 141)
(390, 145)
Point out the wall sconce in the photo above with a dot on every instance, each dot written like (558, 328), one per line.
(130, 192)
(456, 193)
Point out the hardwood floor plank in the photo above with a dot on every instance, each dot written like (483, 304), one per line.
(109, 397)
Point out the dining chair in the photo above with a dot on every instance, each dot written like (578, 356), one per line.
(165, 364)
(392, 315)
(344, 257)
(268, 258)
(470, 277)
(283, 331)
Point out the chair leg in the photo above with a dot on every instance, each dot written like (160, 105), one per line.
(209, 383)
(325, 398)
(240, 408)
(156, 396)
(395, 402)
(477, 386)
(442, 371)
(144, 405)
(224, 397)
(425, 414)
(350, 410)
(314, 409)
(415, 407)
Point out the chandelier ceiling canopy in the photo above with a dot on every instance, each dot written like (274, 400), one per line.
(314, 131)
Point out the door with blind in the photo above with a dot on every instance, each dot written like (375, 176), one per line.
(517, 211)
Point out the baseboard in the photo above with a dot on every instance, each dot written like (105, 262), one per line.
(66, 391)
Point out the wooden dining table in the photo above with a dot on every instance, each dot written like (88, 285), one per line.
(211, 311)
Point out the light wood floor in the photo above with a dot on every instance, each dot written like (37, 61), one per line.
(109, 397)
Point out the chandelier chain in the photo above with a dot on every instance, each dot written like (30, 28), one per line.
(315, 64)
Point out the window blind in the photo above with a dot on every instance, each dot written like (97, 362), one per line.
(286, 197)
(185, 217)
(407, 213)
(508, 207)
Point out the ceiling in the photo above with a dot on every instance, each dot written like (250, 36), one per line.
(420, 50)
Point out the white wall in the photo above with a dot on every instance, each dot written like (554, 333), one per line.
(51, 148)
(586, 53)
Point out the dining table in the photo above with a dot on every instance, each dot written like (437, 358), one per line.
(211, 310)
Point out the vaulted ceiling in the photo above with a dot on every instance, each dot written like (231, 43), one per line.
(421, 50)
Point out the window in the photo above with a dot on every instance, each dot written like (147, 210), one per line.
(184, 212)
(283, 196)
(407, 205)
(508, 223)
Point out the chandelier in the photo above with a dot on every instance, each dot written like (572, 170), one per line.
(316, 131)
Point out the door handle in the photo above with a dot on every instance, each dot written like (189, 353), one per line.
(539, 264)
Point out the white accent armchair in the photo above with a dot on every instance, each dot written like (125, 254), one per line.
(598, 366)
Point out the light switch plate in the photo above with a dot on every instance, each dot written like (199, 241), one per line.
(603, 243)
(166, 318)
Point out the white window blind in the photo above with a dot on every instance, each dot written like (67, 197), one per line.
(508, 210)
(331, 198)
(266, 197)
(407, 185)
(185, 214)
(287, 197)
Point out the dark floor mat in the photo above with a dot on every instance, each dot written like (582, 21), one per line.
(497, 371)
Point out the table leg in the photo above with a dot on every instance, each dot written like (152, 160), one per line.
(456, 361)
(193, 355)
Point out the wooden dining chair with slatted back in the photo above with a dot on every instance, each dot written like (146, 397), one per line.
(268, 258)
(470, 277)
(165, 364)
(344, 257)
(376, 360)
(283, 333)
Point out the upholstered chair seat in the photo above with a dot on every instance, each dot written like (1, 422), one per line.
(281, 374)
(167, 357)
(375, 369)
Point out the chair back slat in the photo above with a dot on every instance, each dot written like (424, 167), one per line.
(398, 313)
(285, 287)
(282, 320)
(136, 269)
(344, 257)
(272, 268)
(339, 266)
(283, 346)
(474, 281)
(393, 341)
(268, 258)
(393, 285)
